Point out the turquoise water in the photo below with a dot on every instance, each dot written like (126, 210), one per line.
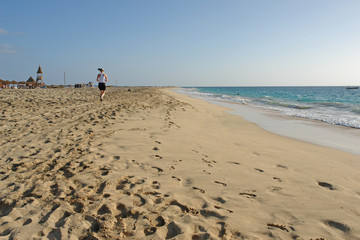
(333, 105)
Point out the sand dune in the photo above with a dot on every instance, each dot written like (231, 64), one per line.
(152, 164)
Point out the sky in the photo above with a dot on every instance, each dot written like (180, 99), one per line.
(182, 42)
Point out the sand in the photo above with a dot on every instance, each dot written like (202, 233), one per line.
(153, 164)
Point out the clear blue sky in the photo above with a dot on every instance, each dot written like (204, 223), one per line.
(183, 42)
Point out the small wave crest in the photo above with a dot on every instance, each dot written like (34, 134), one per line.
(336, 118)
(272, 102)
(332, 104)
(356, 110)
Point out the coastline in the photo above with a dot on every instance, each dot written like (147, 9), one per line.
(312, 131)
(153, 164)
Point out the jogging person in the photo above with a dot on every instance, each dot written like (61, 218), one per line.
(102, 79)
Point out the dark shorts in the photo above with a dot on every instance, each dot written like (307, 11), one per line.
(102, 86)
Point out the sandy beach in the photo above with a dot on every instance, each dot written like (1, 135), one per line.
(153, 164)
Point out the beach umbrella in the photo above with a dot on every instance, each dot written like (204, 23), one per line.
(31, 80)
(14, 82)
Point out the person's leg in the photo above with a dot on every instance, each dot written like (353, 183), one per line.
(101, 95)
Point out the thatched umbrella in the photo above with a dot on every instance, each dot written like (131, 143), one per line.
(14, 82)
(31, 80)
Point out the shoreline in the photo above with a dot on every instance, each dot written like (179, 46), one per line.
(154, 164)
(327, 135)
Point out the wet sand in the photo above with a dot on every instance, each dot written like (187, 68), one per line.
(152, 164)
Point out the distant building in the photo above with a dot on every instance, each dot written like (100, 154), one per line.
(39, 78)
(38, 83)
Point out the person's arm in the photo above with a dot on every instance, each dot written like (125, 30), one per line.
(97, 79)
(106, 78)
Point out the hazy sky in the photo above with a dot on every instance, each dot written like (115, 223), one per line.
(182, 42)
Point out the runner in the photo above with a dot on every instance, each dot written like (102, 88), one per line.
(102, 79)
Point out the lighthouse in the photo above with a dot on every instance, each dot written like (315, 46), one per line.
(39, 77)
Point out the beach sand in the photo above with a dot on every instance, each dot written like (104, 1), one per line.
(153, 164)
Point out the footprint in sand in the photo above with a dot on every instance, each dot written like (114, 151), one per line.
(235, 163)
(155, 185)
(248, 195)
(6, 207)
(66, 172)
(54, 234)
(282, 227)
(158, 169)
(275, 188)
(95, 224)
(158, 156)
(149, 231)
(139, 200)
(104, 171)
(78, 206)
(220, 200)
(61, 222)
(28, 221)
(173, 230)
(54, 189)
(224, 184)
(206, 172)
(176, 178)
(228, 210)
(103, 210)
(259, 170)
(327, 185)
(201, 236)
(277, 179)
(222, 229)
(47, 216)
(208, 161)
(123, 210)
(101, 188)
(281, 166)
(339, 226)
(199, 189)
(128, 182)
(4, 178)
(183, 207)
(160, 221)
(208, 213)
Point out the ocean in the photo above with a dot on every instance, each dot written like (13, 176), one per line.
(327, 116)
(333, 105)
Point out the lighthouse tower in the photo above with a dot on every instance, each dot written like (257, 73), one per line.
(39, 77)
